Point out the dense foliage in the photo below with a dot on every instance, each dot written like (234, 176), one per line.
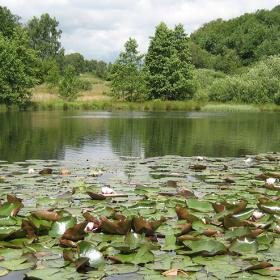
(168, 64)
(236, 61)
(127, 73)
(225, 45)
(18, 63)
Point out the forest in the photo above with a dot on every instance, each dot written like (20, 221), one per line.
(233, 61)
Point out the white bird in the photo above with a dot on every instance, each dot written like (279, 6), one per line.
(200, 158)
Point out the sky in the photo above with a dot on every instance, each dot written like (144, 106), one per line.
(99, 28)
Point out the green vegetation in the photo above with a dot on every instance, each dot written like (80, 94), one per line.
(127, 74)
(18, 63)
(235, 61)
(224, 223)
(226, 45)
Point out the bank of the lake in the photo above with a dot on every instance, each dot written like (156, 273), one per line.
(149, 106)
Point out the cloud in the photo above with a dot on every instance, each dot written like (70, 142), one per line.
(98, 29)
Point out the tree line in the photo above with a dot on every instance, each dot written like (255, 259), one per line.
(224, 61)
(31, 54)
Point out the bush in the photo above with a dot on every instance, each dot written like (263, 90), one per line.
(260, 85)
(69, 84)
(85, 85)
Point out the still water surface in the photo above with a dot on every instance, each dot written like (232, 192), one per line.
(101, 136)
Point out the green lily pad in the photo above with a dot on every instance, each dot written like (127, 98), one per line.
(58, 228)
(88, 250)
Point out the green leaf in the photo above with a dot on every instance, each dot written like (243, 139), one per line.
(88, 250)
(205, 247)
(200, 206)
(58, 228)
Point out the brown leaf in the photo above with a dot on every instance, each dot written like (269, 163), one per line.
(184, 214)
(96, 196)
(174, 272)
(67, 243)
(260, 265)
(46, 171)
(185, 229)
(27, 227)
(140, 225)
(121, 227)
(75, 233)
(198, 167)
(46, 215)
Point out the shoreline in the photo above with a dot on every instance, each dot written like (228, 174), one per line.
(146, 106)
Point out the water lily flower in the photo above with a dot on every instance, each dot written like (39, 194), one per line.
(107, 190)
(249, 161)
(257, 215)
(271, 181)
(91, 227)
(31, 171)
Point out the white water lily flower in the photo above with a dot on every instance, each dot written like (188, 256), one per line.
(31, 171)
(90, 227)
(257, 215)
(107, 190)
(271, 181)
(248, 161)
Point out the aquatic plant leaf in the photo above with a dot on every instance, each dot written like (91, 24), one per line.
(184, 214)
(46, 215)
(142, 256)
(59, 227)
(122, 226)
(271, 207)
(205, 247)
(140, 225)
(75, 233)
(244, 246)
(88, 250)
(200, 206)
(46, 171)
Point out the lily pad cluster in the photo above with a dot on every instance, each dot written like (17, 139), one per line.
(188, 218)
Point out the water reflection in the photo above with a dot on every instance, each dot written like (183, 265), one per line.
(104, 135)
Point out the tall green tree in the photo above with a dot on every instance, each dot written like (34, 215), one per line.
(126, 73)
(8, 22)
(44, 36)
(18, 68)
(168, 64)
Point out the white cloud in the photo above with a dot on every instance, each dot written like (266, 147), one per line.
(98, 29)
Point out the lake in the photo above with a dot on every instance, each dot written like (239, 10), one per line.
(98, 136)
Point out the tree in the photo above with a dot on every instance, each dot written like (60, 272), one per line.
(76, 60)
(18, 68)
(44, 36)
(69, 84)
(9, 22)
(126, 73)
(168, 64)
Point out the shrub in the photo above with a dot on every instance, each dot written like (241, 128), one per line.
(69, 84)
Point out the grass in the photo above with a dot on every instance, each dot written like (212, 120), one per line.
(112, 105)
(99, 91)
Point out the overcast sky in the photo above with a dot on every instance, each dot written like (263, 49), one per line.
(98, 29)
